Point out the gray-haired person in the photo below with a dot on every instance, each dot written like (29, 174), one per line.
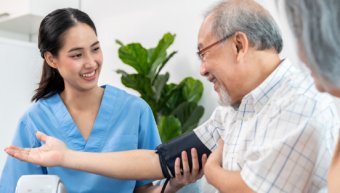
(271, 119)
(316, 24)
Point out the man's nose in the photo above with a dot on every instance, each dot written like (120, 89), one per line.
(203, 70)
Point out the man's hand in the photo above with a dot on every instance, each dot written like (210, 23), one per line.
(186, 177)
(52, 153)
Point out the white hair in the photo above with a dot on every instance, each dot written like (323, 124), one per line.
(316, 24)
(248, 17)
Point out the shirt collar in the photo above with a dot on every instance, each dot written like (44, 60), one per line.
(258, 97)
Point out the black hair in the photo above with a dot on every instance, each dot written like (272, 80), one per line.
(51, 38)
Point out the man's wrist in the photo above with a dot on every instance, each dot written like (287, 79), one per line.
(173, 187)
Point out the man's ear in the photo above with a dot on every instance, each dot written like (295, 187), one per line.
(49, 58)
(241, 44)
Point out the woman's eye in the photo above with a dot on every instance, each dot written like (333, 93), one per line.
(76, 56)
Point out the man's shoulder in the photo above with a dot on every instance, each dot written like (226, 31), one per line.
(296, 100)
(302, 99)
(299, 88)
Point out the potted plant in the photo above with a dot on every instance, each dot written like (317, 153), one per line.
(175, 106)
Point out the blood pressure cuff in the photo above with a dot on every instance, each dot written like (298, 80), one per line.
(168, 152)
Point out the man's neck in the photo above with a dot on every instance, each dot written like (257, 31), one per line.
(261, 65)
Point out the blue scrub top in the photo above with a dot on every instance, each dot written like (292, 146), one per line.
(123, 122)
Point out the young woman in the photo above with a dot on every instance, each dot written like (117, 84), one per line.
(317, 29)
(73, 108)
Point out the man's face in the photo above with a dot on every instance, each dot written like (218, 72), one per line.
(218, 63)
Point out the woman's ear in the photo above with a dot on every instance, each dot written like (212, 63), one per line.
(241, 44)
(49, 58)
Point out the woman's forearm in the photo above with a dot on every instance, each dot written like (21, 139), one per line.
(134, 164)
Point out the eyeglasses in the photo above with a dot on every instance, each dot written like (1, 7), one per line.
(201, 52)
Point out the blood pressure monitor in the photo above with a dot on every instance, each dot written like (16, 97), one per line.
(40, 184)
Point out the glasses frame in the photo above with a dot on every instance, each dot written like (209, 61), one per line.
(200, 53)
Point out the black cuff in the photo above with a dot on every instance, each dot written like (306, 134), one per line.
(168, 152)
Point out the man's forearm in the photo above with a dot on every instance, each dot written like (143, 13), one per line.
(134, 164)
(226, 181)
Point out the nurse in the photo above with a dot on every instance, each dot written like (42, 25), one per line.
(70, 106)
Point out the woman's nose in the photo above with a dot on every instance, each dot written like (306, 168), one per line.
(90, 61)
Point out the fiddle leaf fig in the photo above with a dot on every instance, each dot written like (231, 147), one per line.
(175, 106)
(169, 127)
(135, 56)
(189, 113)
(192, 89)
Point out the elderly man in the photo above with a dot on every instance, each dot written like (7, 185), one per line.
(277, 131)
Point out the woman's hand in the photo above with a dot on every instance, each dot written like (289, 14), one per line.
(52, 153)
(186, 177)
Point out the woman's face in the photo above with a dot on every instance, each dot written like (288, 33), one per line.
(80, 59)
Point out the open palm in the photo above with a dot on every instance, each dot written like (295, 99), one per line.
(50, 154)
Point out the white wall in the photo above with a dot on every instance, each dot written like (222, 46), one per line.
(127, 20)
(20, 71)
(146, 21)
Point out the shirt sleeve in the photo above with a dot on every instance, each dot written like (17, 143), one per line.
(212, 130)
(148, 137)
(14, 168)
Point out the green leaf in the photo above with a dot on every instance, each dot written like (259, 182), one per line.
(189, 113)
(159, 84)
(122, 72)
(192, 121)
(155, 66)
(169, 127)
(173, 96)
(161, 47)
(139, 83)
(163, 64)
(135, 55)
(192, 89)
(157, 55)
(168, 89)
(173, 105)
(163, 100)
(189, 90)
(119, 43)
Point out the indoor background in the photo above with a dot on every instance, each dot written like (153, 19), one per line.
(127, 20)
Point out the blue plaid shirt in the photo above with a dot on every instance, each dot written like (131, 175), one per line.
(282, 135)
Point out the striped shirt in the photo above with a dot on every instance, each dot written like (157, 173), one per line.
(282, 135)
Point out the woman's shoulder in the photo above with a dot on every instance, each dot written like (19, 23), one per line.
(120, 96)
(39, 107)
